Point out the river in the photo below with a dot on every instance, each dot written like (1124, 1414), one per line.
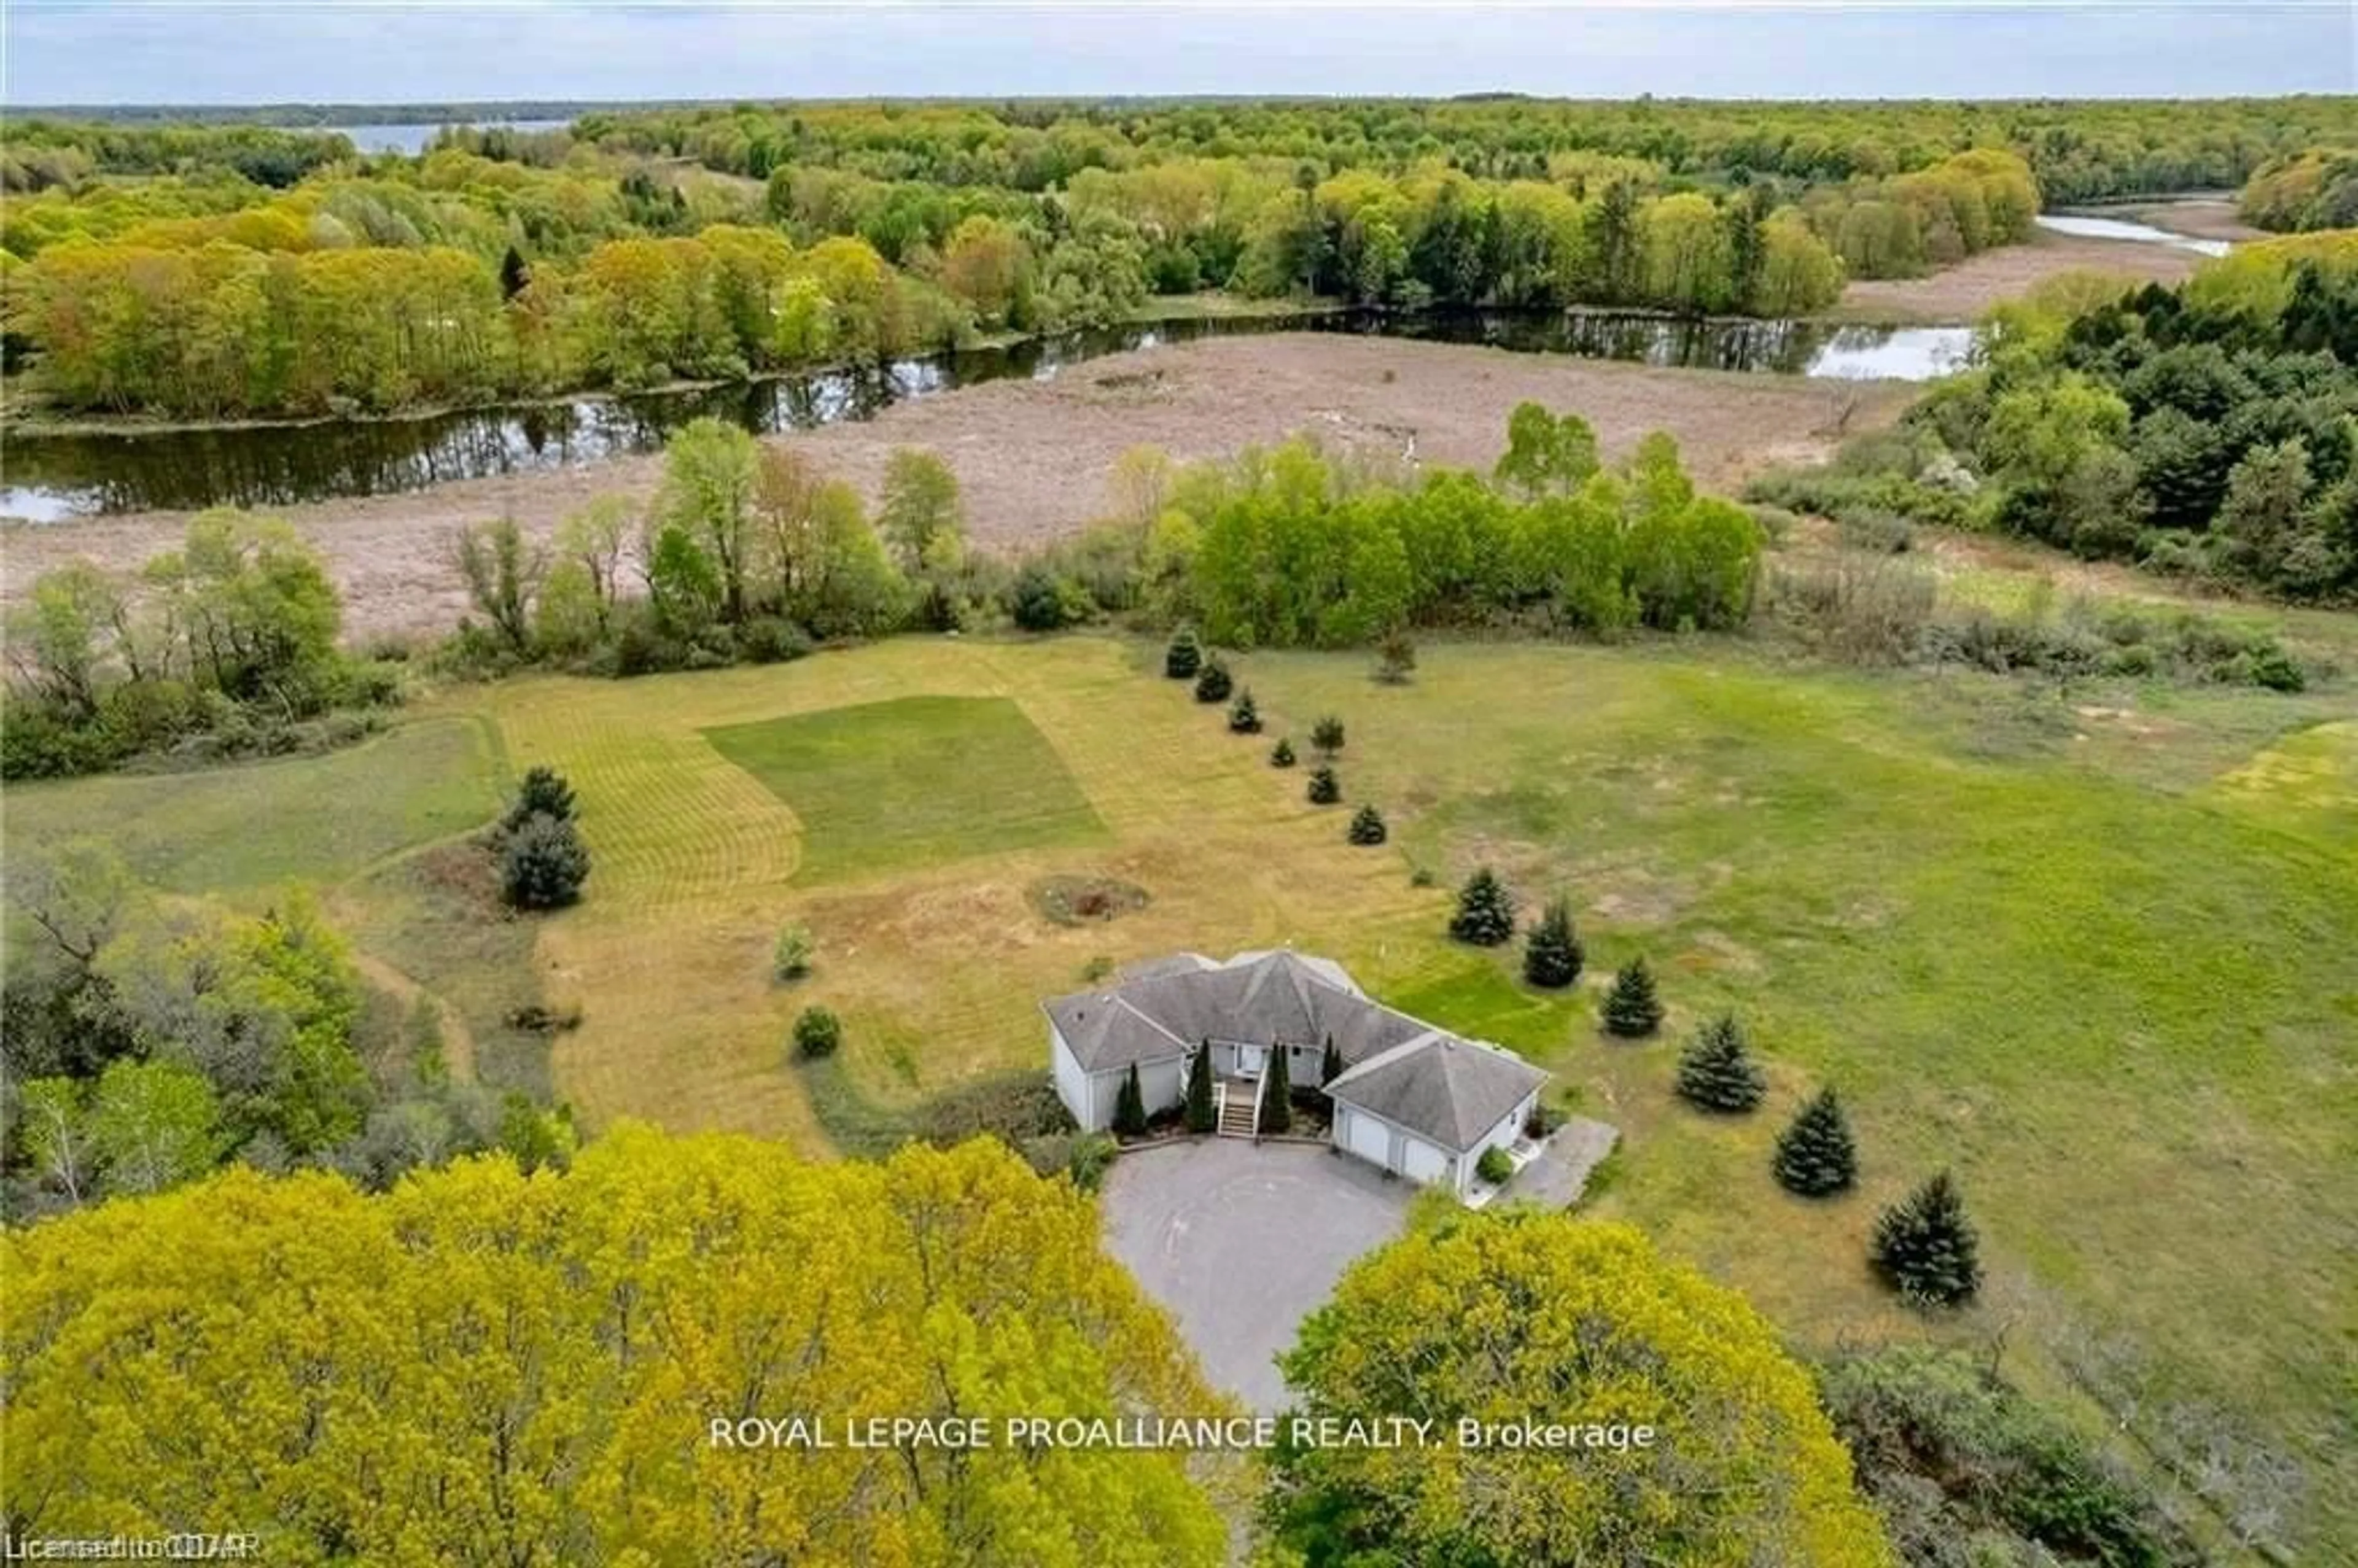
(55, 478)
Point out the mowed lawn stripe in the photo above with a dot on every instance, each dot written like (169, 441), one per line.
(914, 781)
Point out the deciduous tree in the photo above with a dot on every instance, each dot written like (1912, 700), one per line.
(1486, 1318)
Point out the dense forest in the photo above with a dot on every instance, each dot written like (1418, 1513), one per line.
(227, 270)
(2305, 192)
(2210, 429)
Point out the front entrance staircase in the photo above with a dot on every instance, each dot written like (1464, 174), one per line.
(1236, 1098)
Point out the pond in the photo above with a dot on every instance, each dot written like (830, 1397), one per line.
(415, 139)
(2081, 226)
(56, 478)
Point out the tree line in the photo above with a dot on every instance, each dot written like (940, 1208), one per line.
(2207, 429)
(161, 269)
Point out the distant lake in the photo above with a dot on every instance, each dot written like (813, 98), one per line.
(412, 139)
(56, 478)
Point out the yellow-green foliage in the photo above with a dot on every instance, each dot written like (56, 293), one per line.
(483, 1367)
(1523, 1317)
(2256, 279)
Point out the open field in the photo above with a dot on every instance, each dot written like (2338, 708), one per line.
(2095, 950)
(1033, 457)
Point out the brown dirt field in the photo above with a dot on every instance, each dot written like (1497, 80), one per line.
(1961, 293)
(1033, 457)
(2203, 216)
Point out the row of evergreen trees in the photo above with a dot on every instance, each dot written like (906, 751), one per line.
(1923, 1245)
(1185, 659)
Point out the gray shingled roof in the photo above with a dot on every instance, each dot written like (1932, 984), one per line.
(1401, 1068)
(1450, 1090)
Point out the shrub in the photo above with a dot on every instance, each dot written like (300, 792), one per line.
(1040, 600)
(1632, 1009)
(1395, 658)
(1544, 1121)
(1815, 1155)
(543, 863)
(1244, 718)
(1495, 1165)
(817, 1032)
(1130, 1105)
(1325, 789)
(1718, 1073)
(1328, 736)
(1552, 957)
(1184, 656)
(1485, 911)
(1330, 1064)
(790, 958)
(1366, 827)
(1092, 1155)
(1281, 754)
(1213, 682)
(1925, 1246)
(1952, 1454)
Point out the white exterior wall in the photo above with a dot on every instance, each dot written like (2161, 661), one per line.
(1092, 1096)
(1163, 1085)
(1073, 1086)
(1509, 1128)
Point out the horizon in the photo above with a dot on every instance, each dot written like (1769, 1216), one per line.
(84, 56)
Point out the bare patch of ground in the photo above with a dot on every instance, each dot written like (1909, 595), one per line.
(1033, 457)
(1961, 293)
(2212, 217)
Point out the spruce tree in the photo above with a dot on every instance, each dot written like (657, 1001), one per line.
(1184, 656)
(1366, 827)
(1632, 1009)
(1815, 1155)
(1213, 683)
(1326, 789)
(544, 793)
(1485, 911)
(1330, 1065)
(1201, 1118)
(543, 863)
(1276, 1096)
(1718, 1073)
(1244, 718)
(1925, 1246)
(1328, 736)
(1554, 956)
(1281, 754)
(1130, 1107)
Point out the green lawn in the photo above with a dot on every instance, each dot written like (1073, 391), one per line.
(919, 781)
(2095, 950)
(243, 831)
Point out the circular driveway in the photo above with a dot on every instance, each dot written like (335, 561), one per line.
(1241, 1242)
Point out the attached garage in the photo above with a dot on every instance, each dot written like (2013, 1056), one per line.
(1421, 1163)
(1426, 1107)
(1363, 1135)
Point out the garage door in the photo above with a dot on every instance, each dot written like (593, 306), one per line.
(1369, 1139)
(1425, 1162)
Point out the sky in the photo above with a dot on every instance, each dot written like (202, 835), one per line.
(383, 51)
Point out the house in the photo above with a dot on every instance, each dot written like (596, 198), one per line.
(1411, 1097)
